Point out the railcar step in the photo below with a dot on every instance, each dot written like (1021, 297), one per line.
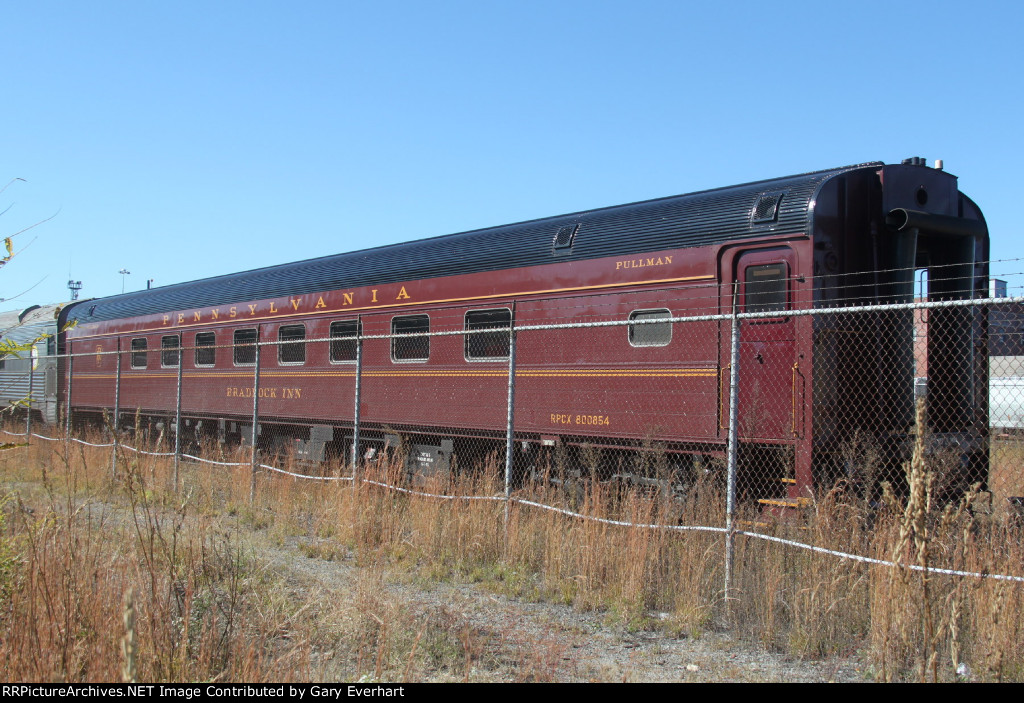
(785, 502)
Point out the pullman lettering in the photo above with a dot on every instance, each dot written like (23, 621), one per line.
(643, 263)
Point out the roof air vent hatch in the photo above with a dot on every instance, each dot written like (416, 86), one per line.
(767, 208)
(565, 236)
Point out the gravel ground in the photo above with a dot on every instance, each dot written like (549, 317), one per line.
(528, 641)
(513, 640)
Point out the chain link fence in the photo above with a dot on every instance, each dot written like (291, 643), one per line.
(757, 410)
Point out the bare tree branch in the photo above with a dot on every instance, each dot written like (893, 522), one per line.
(22, 231)
(9, 184)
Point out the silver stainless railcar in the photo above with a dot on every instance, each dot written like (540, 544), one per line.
(30, 376)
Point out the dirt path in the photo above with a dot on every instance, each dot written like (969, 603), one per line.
(513, 640)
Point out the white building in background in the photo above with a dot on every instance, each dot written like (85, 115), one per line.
(1005, 362)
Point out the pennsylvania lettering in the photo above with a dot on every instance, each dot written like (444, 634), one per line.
(292, 304)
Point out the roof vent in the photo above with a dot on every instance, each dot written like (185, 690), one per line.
(26, 311)
(767, 208)
(565, 236)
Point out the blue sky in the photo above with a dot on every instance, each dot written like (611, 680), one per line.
(184, 140)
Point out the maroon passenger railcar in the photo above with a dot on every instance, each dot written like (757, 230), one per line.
(853, 235)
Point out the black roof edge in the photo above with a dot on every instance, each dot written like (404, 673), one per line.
(121, 305)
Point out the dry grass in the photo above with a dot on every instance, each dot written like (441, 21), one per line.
(1007, 476)
(108, 577)
(113, 575)
(913, 625)
(114, 579)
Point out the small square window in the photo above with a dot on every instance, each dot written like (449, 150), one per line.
(245, 347)
(766, 288)
(206, 349)
(169, 355)
(343, 340)
(139, 353)
(488, 345)
(650, 334)
(292, 344)
(410, 347)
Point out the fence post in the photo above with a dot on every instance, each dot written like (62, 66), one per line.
(177, 416)
(510, 412)
(356, 394)
(31, 378)
(67, 405)
(734, 394)
(255, 417)
(117, 408)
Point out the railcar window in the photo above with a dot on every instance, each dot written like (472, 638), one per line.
(292, 347)
(343, 340)
(650, 334)
(169, 350)
(766, 289)
(3, 362)
(412, 348)
(488, 345)
(206, 349)
(245, 347)
(139, 353)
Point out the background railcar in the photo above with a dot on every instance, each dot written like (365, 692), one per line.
(28, 378)
(854, 235)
